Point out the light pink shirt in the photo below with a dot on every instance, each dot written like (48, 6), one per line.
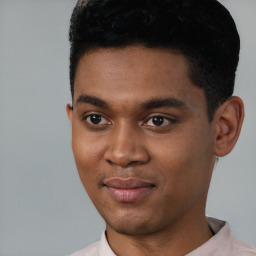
(221, 244)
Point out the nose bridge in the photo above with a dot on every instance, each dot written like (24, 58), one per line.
(125, 146)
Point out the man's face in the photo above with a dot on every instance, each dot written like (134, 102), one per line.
(141, 138)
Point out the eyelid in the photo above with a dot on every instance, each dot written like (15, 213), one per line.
(171, 120)
(88, 114)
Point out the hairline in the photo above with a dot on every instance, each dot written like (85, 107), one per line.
(173, 50)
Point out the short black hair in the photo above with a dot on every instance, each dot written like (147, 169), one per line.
(202, 30)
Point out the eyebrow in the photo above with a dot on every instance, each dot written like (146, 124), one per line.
(92, 100)
(166, 102)
(150, 104)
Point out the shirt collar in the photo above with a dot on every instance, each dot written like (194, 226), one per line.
(104, 248)
(220, 244)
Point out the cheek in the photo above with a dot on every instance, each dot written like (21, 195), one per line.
(184, 161)
(87, 156)
(86, 146)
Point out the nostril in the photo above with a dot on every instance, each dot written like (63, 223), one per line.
(121, 163)
(132, 163)
(124, 164)
(110, 162)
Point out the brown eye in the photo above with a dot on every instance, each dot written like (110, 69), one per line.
(95, 119)
(159, 121)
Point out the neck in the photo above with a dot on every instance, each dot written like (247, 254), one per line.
(178, 240)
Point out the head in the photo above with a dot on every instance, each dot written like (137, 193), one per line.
(201, 30)
(151, 85)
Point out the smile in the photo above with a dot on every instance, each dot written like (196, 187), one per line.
(128, 190)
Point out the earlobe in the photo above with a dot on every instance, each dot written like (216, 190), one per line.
(228, 122)
(69, 110)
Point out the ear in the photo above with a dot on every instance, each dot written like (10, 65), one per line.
(69, 110)
(228, 121)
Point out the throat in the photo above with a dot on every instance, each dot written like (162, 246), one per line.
(178, 243)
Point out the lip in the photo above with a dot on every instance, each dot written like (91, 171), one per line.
(128, 190)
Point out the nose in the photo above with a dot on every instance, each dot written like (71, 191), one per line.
(125, 147)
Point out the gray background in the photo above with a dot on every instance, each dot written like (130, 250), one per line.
(44, 210)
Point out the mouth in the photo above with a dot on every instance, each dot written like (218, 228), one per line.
(127, 190)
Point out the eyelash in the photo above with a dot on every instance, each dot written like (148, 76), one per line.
(101, 126)
(164, 119)
(96, 115)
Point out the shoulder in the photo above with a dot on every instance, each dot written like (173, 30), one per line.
(91, 250)
(244, 249)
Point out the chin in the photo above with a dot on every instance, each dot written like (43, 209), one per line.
(131, 230)
(133, 225)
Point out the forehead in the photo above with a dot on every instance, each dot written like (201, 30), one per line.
(120, 61)
(135, 73)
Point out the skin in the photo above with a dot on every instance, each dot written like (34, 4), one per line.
(175, 152)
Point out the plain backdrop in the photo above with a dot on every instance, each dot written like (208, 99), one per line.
(44, 210)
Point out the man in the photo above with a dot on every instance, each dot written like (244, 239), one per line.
(152, 109)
